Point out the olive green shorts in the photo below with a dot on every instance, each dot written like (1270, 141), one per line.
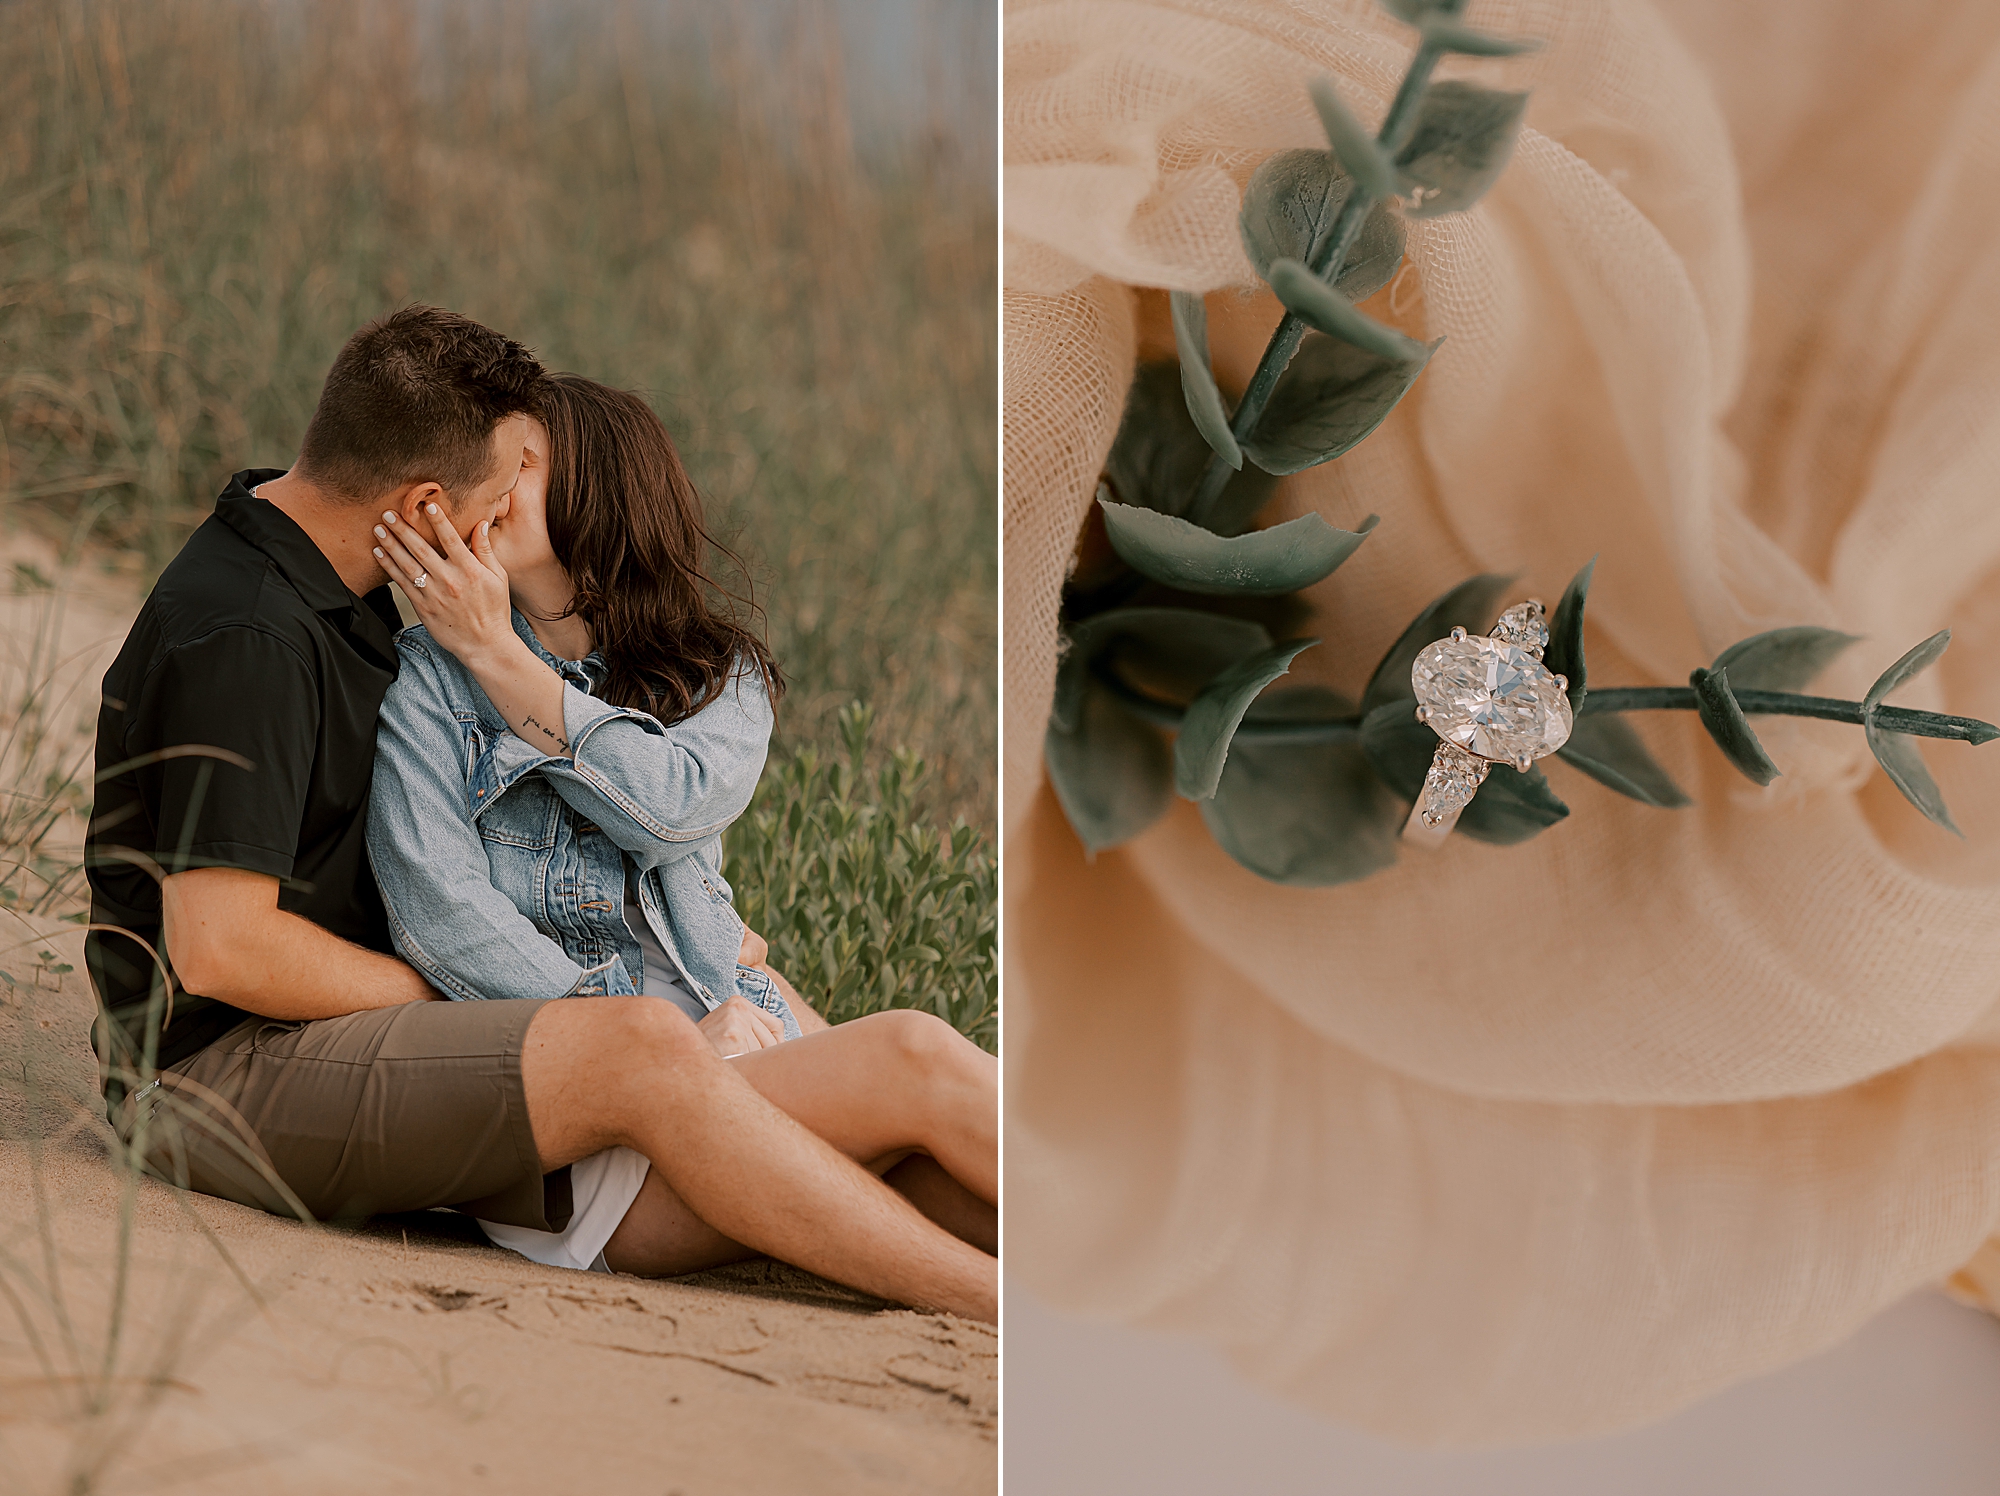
(402, 1108)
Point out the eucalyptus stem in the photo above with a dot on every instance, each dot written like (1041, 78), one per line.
(1905, 720)
(1325, 261)
(1788, 704)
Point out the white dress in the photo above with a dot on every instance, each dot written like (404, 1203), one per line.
(604, 1185)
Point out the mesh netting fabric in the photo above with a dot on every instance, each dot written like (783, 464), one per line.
(1531, 1142)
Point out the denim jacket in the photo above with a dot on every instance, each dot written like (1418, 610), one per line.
(503, 868)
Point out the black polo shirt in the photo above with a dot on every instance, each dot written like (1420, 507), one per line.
(238, 730)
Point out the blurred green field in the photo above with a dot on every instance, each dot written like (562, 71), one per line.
(200, 199)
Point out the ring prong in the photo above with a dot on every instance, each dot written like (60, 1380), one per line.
(1423, 714)
(1525, 762)
(1562, 682)
(1457, 634)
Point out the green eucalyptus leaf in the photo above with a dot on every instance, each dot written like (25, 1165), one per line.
(1177, 650)
(1157, 458)
(1232, 510)
(1324, 308)
(1908, 668)
(1333, 395)
(1471, 605)
(1441, 30)
(1289, 209)
(1310, 815)
(1894, 751)
(1213, 717)
(1610, 750)
(1897, 754)
(1353, 145)
(1782, 659)
(1262, 563)
(1204, 400)
(1510, 806)
(1112, 773)
(1460, 145)
(1564, 656)
(1399, 747)
(1725, 722)
(1309, 703)
(1413, 12)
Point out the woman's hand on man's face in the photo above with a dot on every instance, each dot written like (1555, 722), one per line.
(458, 592)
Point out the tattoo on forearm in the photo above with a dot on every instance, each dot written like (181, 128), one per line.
(550, 733)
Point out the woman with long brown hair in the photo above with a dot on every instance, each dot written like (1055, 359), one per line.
(581, 712)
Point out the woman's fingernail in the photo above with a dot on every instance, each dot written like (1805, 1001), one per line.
(380, 533)
(485, 527)
(389, 515)
(378, 553)
(432, 508)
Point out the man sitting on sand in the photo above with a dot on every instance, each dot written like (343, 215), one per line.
(261, 1041)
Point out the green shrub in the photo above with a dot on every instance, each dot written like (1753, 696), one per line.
(867, 905)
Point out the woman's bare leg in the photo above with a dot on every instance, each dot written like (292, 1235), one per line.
(606, 1071)
(877, 1089)
(893, 1082)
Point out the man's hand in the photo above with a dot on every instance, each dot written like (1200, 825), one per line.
(756, 953)
(739, 1026)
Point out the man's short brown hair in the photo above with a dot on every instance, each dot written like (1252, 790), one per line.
(414, 398)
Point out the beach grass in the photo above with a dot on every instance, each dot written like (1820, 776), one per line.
(201, 199)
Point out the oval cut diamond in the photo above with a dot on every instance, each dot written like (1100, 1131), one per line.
(1492, 698)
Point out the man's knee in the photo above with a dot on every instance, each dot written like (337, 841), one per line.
(639, 1034)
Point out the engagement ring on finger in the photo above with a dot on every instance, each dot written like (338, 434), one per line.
(1492, 701)
(422, 579)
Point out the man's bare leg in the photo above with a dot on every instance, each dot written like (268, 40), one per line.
(604, 1072)
(876, 1089)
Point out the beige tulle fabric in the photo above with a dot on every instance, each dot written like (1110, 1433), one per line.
(1526, 1143)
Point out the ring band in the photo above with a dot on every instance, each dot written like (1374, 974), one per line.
(1490, 701)
(422, 579)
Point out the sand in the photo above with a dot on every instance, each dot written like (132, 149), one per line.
(260, 1355)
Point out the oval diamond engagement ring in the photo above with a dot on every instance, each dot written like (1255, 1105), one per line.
(1491, 701)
